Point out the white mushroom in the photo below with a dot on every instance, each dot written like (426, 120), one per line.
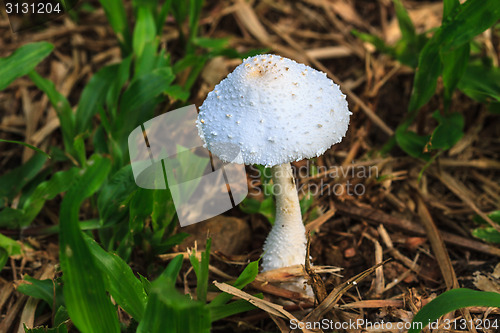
(281, 111)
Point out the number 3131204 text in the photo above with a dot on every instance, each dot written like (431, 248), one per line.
(32, 8)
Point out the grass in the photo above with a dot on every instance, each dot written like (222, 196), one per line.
(107, 224)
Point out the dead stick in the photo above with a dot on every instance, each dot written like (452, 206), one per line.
(372, 215)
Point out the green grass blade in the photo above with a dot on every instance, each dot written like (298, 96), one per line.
(26, 145)
(94, 95)
(454, 66)
(226, 310)
(144, 31)
(453, 300)
(60, 329)
(121, 283)
(169, 311)
(481, 83)
(40, 289)
(22, 61)
(487, 234)
(61, 105)
(248, 275)
(85, 296)
(412, 143)
(141, 207)
(405, 24)
(162, 16)
(139, 100)
(494, 216)
(425, 82)
(170, 273)
(144, 89)
(111, 197)
(449, 130)
(201, 270)
(450, 7)
(474, 17)
(195, 7)
(163, 212)
(13, 181)
(8, 247)
(47, 190)
(115, 11)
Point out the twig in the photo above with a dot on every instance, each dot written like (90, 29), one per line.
(274, 309)
(366, 212)
(331, 300)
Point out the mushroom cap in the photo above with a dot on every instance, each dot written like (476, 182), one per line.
(272, 110)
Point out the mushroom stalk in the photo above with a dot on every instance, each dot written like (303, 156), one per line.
(286, 243)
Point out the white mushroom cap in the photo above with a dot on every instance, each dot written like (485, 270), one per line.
(274, 110)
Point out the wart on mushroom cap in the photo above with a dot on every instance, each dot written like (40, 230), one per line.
(275, 110)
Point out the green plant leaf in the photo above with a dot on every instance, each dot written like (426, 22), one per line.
(450, 8)
(169, 311)
(474, 17)
(149, 59)
(61, 315)
(376, 41)
(180, 11)
(201, 271)
(113, 195)
(448, 132)
(14, 180)
(88, 305)
(185, 166)
(41, 289)
(306, 202)
(481, 83)
(428, 71)
(115, 11)
(412, 143)
(61, 105)
(163, 211)
(47, 190)
(8, 247)
(405, 24)
(177, 92)
(43, 329)
(138, 101)
(94, 94)
(195, 7)
(121, 282)
(22, 61)
(144, 31)
(26, 145)
(163, 246)
(494, 216)
(247, 276)
(454, 66)
(226, 310)
(452, 300)
(487, 234)
(267, 207)
(141, 206)
(162, 16)
(12, 218)
(211, 43)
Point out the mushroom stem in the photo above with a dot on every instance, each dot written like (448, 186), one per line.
(286, 243)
